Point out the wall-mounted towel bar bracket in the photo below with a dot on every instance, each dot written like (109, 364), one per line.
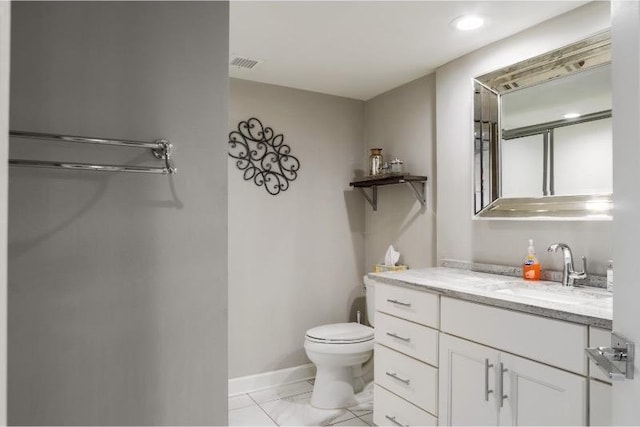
(165, 152)
(417, 183)
(617, 361)
(161, 149)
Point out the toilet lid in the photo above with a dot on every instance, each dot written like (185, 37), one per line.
(340, 333)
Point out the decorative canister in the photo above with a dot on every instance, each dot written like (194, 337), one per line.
(396, 166)
(375, 161)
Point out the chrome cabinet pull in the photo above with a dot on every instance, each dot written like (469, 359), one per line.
(393, 420)
(503, 396)
(394, 335)
(395, 301)
(396, 377)
(487, 392)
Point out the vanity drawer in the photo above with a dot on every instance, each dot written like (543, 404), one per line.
(416, 306)
(550, 341)
(391, 410)
(409, 378)
(407, 337)
(598, 338)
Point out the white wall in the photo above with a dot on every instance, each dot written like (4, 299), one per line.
(296, 260)
(626, 192)
(117, 282)
(5, 28)
(492, 241)
(402, 122)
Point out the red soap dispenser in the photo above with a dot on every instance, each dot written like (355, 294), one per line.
(531, 266)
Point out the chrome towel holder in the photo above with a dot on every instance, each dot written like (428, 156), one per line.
(161, 149)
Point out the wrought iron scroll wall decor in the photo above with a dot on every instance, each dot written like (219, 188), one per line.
(263, 156)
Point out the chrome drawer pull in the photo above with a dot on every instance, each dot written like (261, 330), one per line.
(393, 420)
(391, 334)
(396, 377)
(503, 396)
(487, 392)
(395, 301)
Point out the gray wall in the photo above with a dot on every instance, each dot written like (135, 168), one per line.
(504, 242)
(402, 122)
(117, 282)
(296, 260)
(5, 35)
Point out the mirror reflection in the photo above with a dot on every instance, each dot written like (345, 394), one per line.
(542, 134)
(556, 137)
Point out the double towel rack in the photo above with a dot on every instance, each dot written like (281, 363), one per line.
(161, 149)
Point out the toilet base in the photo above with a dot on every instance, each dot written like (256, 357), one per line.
(333, 388)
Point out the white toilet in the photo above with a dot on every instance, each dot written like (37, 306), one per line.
(339, 351)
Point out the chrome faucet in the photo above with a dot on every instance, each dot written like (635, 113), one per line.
(569, 275)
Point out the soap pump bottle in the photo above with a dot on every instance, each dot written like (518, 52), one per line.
(531, 266)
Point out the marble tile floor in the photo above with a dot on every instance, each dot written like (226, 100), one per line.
(288, 405)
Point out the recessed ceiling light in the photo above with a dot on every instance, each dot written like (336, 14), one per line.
(467, 22)
(571, 115)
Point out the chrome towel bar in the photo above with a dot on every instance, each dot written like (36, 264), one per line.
(161, 149)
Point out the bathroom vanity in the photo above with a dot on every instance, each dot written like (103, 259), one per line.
(457, 347)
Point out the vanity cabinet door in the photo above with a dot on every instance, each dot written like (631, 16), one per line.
(466, 383)
(540, 395)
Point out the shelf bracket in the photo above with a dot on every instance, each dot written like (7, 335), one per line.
(420, 195)
(373, 200)
(417, 183)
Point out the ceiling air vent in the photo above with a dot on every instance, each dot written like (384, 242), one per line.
(244, 62)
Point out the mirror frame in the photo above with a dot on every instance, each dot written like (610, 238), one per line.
(586, 54)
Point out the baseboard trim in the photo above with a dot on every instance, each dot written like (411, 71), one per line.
(264, 380)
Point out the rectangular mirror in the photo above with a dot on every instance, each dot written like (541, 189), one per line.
(542, 135)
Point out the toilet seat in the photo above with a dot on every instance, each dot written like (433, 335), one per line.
(340, 333)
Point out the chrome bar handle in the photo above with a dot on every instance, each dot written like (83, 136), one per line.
(394, 421)
(395, 301)
(487, 392)
(503, 396)
(584, 265)
(394, 335)
(396, 377)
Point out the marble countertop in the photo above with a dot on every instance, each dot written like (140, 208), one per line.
(585, 305)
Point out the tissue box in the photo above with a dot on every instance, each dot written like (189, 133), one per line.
(381, 268)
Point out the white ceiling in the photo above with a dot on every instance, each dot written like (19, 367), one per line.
(359, 49)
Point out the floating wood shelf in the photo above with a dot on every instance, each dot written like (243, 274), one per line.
(417, 184)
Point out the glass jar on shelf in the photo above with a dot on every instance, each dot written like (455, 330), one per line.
(375, 161)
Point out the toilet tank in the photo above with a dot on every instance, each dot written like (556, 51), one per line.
(370, 294)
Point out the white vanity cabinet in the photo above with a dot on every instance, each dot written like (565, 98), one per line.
(523, 391)
(539, 395)
(472, 377)
(406, 357)
(467, 383)
(445, 360)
